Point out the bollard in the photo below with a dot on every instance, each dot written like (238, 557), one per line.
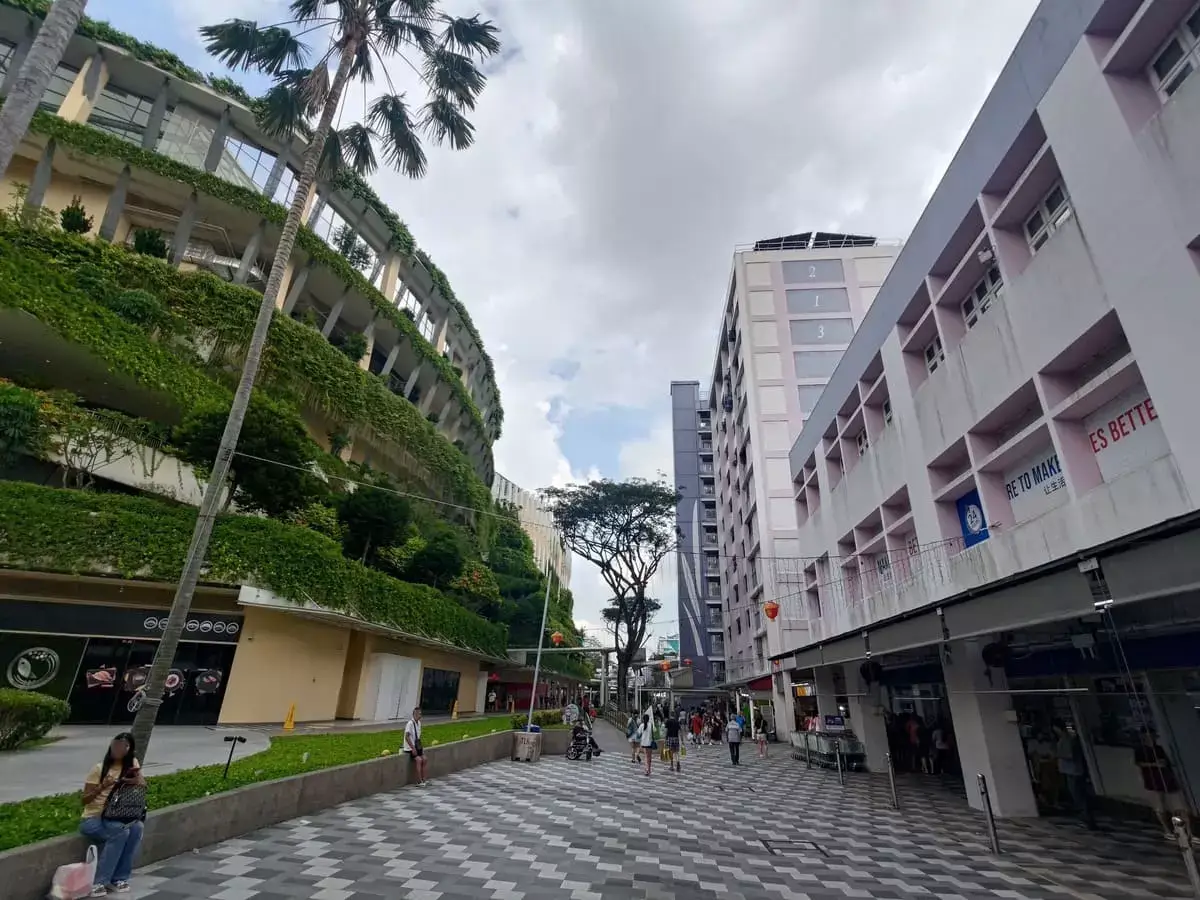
(837, 753)
(892, 781)
(990, 821)
(1189, 856)
(807, 752)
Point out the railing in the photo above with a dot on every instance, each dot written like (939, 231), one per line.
(806, 242)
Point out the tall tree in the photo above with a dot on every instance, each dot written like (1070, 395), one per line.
(35, 73)
(362, 34)
(624, 528)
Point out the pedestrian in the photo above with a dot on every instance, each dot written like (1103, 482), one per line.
(631, 735)
(491, 700)
(697, 728)
(673, 731)
(1072, 768)
(412, 745)
(119, 839)
(733, 733)
(941, 748)
(646, 740)
(760, 734)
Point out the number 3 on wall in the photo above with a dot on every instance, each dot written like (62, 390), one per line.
(820, 332)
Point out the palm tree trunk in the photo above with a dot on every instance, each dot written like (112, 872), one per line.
(34, 77)
(143, 724)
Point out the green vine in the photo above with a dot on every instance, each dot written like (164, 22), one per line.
(76, 532)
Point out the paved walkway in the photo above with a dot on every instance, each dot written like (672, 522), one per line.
(60, 767)
(770, 829)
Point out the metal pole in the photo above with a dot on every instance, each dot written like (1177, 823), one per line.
(537, 665)
(892, 780)
(837, 754)
(807, 752)
(989, 819)
(1189, 855)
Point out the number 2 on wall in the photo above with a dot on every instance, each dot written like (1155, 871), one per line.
(812, 272)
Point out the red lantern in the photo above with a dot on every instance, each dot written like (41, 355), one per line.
(556, 638)
(665, 666)
(771, 608)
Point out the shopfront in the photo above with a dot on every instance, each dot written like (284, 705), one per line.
(97, 658)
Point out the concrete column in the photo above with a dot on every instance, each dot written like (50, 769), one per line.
(986, 732)
(437, 393)
(183, 230)
(369, 334)
(158, 113)
(412, 379)
(439, 334)
(317, 207)
(36, 194)
(216, 147)
(826, 691)
(18, 58)
(783, 701)
(334, 315)
(864, 703)
(275, 176)
(115, 207)
(391, 274)
(251, 253)
(294, 287)
(77, 105)
(390, 362)
(375, 269)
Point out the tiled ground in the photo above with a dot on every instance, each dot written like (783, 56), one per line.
(771, 829)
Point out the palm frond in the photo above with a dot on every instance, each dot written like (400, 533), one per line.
(361, 68)
(234, 42)
(279, 49)
(394, 32)
(390, 119)
(446, 123)
(283, 112)
(421, 11)
(306, 10)
(358, 151)
(470, 35)
(333, 157)
(454, 76)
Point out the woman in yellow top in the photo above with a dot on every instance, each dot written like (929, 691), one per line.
(119, 840)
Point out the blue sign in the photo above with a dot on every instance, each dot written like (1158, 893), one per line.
(970, 517)
(835, 723)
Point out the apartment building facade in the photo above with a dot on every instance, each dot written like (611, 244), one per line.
(792, 306)
(538, 523)
(996, 495)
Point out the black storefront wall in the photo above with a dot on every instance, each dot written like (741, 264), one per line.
(97, 658)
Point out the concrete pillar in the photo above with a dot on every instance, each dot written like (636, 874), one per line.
(412, 379)
(183, 230)
(251, 253)
(18, 58)
(36, 194)
(275, 176)
(369, 334)
(439, 334)
(826, 692)
(376, 269)
(985, 731)
(216, 147)
(115, 207)
(391, 275)
(158, 113)
(436, 393)
(783, 700)
(334, 315)
(317, 207)
(390, 362)
(77, 105)
(293, 287)
(865, 704)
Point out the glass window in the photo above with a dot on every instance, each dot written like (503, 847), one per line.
(121, 113)
(813, 271)
(816, 363)
(187, 134)
(251, 162)
(809, 395)
(60, 85)
(807, 300)
(1047, 217)
(1178, 58)
(439, 690)
(821, 331)
(934, 354)
(989, 287)
(6, 53)
(887, 412)
(861, 441)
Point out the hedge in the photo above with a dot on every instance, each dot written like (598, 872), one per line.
(79, 532)
(39, 271)
(28, 716)
(349, 181)
(93, 142)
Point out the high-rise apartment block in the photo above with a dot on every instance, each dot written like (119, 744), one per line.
(537, 522)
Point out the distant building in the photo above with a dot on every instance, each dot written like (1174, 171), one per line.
(539, 525)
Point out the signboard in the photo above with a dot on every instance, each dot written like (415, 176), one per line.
(835, 723)
(1036, 485)
(94, 620)
(1126, 433)
(970, 517)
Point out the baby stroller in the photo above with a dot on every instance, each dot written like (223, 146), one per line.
(582, 743)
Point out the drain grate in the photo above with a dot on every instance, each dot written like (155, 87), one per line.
(794, 848)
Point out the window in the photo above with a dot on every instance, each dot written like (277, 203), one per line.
(813, 270)
(816, 363)
(809, 394)
(808, 300)
(121, 113)
(934, 355)
(887, 411)
(1049, 216)
(989, 288)
(1178, 58)
(860, 440)
(821, 331)
(6, 53)
(60, 85)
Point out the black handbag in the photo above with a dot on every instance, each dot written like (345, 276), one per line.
(125, 804)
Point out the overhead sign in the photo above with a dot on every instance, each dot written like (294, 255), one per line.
(970, 517)
(1126, 433)
(94, 620)
(1035, 486)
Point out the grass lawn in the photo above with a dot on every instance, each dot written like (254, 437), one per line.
(44, 817)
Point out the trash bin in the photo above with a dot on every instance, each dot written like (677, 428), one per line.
(527, 745)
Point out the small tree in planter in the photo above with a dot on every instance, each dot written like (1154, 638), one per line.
(74, 218)
(354, 345)
(150, 242)
(357, 253)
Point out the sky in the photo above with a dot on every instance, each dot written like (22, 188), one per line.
(624, 148)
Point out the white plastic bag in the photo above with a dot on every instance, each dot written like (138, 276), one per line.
(74, 880)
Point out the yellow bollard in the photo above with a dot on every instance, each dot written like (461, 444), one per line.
(289, 724)
(454, 712)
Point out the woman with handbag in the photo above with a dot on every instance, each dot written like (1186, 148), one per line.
(646, 739)
(114, 807)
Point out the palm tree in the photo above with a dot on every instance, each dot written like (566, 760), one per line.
(362, 33)
(35, 74)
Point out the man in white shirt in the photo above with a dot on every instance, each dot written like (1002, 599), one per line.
(412, 744)
(733, 736)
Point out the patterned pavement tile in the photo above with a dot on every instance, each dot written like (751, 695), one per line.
(769, 830)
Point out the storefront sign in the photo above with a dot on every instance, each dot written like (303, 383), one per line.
(1126, 433)
(113, 621)
(1035, 486)
(970, 517)
(835, 723)
(39, 662)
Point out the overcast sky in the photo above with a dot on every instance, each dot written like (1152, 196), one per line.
(624, 147)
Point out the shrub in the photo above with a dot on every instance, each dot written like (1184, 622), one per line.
(74, 218)
(20, 431)
(150, 242)
(354, 345)
(322, 519)
(27, 716)
(543, 718)
(137, 307)
(372, 519)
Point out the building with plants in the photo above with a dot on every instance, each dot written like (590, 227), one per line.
(538, 522)
(350, 575)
